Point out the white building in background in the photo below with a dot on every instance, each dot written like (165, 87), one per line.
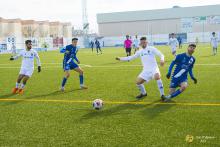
(189, 22)
(43, 33)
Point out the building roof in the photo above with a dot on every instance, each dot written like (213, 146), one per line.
(170, 13)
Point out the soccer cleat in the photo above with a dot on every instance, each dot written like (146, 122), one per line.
(14, 90)
(167, 98)
(163, 97)
(141, 96)
(83, 87)
(21, 91)
(62, 89)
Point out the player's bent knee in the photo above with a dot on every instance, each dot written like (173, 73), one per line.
(157, 76)
(81, 72)
(139, 81)
(67, 75)
(183, 88)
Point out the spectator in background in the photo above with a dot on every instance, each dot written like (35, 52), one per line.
(128, 45)
(92, 45)
(98, 47)
(136, 44)
(180, 42)
(13, 49)
(197, 40)
(214, 43)
(173, 44)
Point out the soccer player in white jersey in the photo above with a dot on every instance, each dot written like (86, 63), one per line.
(173, 42)
(27, 66)
(136, 44)
(214, 43)
(150, 67)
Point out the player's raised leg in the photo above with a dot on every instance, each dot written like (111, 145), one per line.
(140, 85)
(159, 84)
(81, 77)
(24, 82)
(17, 85)
(65, 78)
(173, 93)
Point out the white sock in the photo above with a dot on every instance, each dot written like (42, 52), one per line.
(142, 88)
(17, 85)
(160, 87)
(22, 86)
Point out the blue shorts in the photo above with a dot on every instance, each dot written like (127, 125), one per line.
(175, 82)
(69, 66)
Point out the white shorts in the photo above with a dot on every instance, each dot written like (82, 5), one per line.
(215, 46)
(26, 72)
(148, 75)
(173, 49)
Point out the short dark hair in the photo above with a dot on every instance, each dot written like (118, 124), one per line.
(172, 34)
(213, 33)
(75, 39)
(143, 38)
(28, 41)
(192, 45)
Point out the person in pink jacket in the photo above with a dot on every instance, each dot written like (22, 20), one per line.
(128, 45)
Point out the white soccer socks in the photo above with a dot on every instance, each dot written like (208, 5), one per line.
(160, 87)
(142, 89)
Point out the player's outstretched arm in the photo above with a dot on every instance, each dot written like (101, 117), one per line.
(170, 69)
(129, 58)
(15, 57)
(158, 53)
(77, 60)
(192, 76)
(38, 61)
(63, 50)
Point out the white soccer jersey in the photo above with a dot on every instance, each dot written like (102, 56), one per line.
(214, 41)
(28, 58)
(173, 42)
(148, 59)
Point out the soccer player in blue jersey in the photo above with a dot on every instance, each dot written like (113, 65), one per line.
(184, 64)
(69, 63)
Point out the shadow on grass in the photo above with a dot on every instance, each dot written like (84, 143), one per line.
(117, 110)
(153, 111)
(6, 96)
(54, 93)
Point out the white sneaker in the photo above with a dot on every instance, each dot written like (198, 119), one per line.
(62, 89)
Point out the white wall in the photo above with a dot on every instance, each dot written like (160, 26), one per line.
(160, 38)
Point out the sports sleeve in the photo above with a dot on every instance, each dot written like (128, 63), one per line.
(18, 55)
(37, 58)
(158, 53)
(169, 42)
(191, 71)
(172, 64)
(75, 58)
(63, 50)
(129, 58)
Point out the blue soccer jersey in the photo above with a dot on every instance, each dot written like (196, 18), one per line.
(70, 52)
(184, 65)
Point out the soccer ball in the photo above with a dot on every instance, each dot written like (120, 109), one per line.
(97, 104)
